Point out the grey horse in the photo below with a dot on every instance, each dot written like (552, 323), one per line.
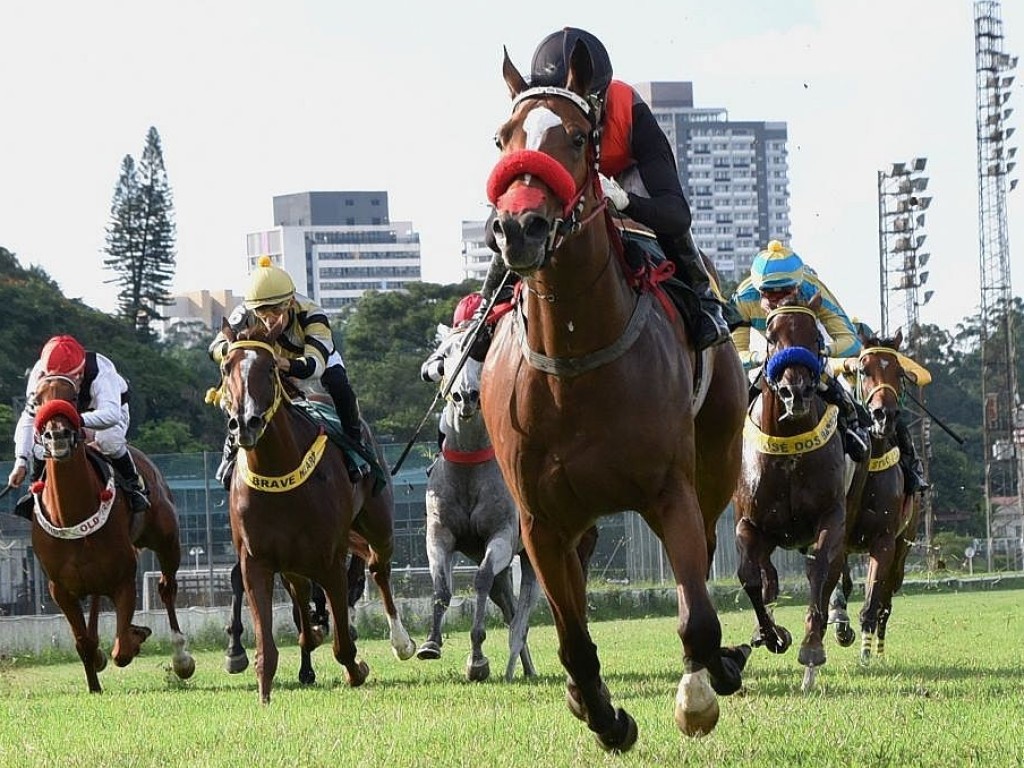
(470, 511)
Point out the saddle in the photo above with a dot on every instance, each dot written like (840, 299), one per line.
(325, 417)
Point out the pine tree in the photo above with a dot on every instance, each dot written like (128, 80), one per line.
(141, 236)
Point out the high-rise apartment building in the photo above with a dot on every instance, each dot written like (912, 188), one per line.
(476, 256)
(337, 245)
(734, 173)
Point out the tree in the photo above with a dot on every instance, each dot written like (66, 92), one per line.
(141, 236)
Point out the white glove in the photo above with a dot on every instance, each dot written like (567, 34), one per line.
(615, 194)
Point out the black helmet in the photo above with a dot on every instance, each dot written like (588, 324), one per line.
(550, 67)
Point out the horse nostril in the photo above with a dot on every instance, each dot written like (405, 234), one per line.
(474, 397)
(536, 227)
(232, 424)
(457, 397)
(785, 392)
(254, 422)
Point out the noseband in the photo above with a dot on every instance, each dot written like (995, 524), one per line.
(779, 361)
(62, 408)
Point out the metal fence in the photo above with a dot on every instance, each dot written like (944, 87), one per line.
(627, 552)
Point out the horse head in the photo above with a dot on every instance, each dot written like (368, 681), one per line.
(464, 389)
(793, 367)
(880, 382)
(252, 388)
(58, 424)
(548, 158)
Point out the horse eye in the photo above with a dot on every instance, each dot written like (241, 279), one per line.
(497, 141)
(579, 139)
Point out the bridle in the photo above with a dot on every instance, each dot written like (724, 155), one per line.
(777, 362)
(279, 394)
(70, 437)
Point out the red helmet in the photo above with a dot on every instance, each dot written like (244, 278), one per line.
(63, 355)
(464, 311)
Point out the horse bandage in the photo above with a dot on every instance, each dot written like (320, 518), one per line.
(288, 482)
(797, 444)
(886, 461)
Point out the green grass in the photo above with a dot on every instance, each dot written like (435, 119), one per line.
(950, 693)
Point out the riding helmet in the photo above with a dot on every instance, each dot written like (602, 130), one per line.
(269, 285)
(550, 65)
(776, 267)
(62, 356)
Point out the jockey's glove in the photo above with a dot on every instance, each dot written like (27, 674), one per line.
(616, 195)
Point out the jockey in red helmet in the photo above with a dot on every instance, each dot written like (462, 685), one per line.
(103, 404)
(638, 173)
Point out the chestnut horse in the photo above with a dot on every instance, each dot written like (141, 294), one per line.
(80, 533)
(885, 522)
(588, 393)
(295, 512)
(793, 488)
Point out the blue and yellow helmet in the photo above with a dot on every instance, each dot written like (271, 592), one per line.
(776, 267)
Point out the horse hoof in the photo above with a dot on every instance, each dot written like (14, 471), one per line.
(100, 660)
(478, 671)
(697, 709)
(574, 700)
(845, 635)
(235, 664)
(811, 656)
(141, 633)
(838, 616)
(734, 660)
(405, 651)
(307, 677)
(429, 651)
(184, 666)
(358, 676)
(622, 736)
(781, 641)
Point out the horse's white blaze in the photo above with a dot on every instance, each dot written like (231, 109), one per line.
(537, 124)
(248, 404)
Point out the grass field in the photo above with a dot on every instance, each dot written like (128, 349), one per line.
(950, 693)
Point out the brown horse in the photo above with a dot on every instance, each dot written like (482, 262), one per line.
(792, 491)
(294, 510)
(588, 393)
(80, 533)
(886, 518)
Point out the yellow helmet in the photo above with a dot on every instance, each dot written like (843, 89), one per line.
(269, 285)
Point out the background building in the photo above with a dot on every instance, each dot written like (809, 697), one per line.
(735, 175)
(337, 245)
(190, 317)
(476, 256)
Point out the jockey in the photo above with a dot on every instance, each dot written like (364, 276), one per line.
(778, 273)
(103, 403)
(910, 461)
(638, 173)
(304, 350)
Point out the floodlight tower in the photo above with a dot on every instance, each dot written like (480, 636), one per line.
(1002, 417)
(901, 220)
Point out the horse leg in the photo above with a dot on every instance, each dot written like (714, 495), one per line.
(497, 558)
(824, 566)
(128, 636)
(760, 581)
(356, 588)
(709, 669)
(94, 631)
(320, 617)
(561, 575)
(440, 552)
(335, 586)
(310, 638)
(86, 642)
(259, 589)
(235, 658)
(875, 589)
(837, 608)
(182, 663)
(529, 591)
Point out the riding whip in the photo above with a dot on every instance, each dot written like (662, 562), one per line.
(933, 417)
(5, 491)
(442, 392)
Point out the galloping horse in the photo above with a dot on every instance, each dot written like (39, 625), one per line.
(588, 393)
(470, 510)
(792, 491)
(80, 533)
(886, 519)
(235, 658)
(294, 510)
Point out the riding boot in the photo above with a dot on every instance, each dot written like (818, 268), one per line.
(26, 504)
(710, 326)
(855, 439)
(138, 495)
(910, 462)
(227, 462)
(336, 380)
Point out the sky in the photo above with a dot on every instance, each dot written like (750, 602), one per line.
(257, 98)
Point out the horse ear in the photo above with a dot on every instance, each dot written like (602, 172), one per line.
(897, 340)
(581, 70)
(815, 301)
(515, 82)
(227, 330)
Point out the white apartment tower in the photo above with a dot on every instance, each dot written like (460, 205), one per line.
(337, 245)
(734, 173)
